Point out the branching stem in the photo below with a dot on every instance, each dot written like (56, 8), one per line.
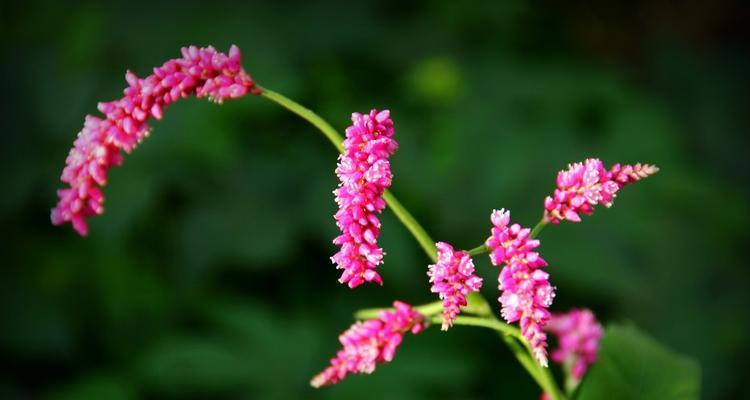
(510, 334)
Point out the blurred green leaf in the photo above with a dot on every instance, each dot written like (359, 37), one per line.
(435, 81)
(634, 366)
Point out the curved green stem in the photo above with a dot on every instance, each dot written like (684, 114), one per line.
(427, 244)
(307, 114)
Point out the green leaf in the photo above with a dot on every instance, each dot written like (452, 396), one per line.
(632, 365)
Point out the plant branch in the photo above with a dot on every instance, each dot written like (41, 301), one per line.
(482, 248)
(507, 332)
(538, 228)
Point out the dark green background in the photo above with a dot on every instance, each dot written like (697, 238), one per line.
(208, 275)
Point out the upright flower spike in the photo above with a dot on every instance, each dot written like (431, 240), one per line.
(203, 72)
(371, 342)
(364, 173)
(526, 293)
(578, 334)
(584, 185)
(453, 278)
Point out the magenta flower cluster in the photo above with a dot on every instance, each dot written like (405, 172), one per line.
(526, 293)
(584, 185)
(368, 343)
(453, 278)
(203, 72)
(364, 173)
(578, 334)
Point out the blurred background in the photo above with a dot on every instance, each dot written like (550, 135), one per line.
(208, 276)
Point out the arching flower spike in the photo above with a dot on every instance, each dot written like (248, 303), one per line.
(203, 72)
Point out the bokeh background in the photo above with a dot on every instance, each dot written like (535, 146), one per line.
(208, 276)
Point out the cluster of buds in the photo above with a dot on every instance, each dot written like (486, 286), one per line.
(368, 343)
(453, 278)
(584, 185)
(364, 173)
(526, 293)
(203, 72)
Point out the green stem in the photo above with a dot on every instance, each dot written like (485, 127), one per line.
(511, 336)
(541, 375)
(428, 310)
(491, 323)
(538, 228)
(482, 248)
(428, 245)
(307, 114)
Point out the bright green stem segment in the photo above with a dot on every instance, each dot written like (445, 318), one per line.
(428, 245)
(307, 114)
(538, 228)
(482, 248)
(484, 323)
(428, 310)
(412, 225)
(477, 304)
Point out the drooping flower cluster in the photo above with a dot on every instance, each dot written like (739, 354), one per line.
(203, 72)
(364, 173)
(584, 185)
(371, 342)
(526, 293)
(578, 334)
(453, 278)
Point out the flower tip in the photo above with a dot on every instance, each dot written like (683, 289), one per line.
(317, 381)
(500, 217)
(383, 115)
(131, 78)
(234, 52)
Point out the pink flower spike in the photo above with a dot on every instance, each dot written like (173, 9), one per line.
(526, 293)
(99, 144)
(584, 185)
(368, 343)
(364, 173)
(453, 278)
(578, 334)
